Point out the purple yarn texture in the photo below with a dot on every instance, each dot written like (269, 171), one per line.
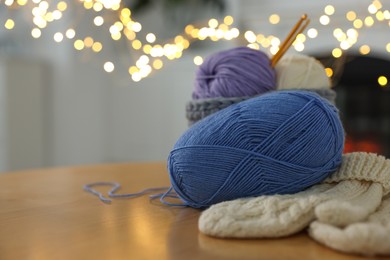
(236, 72)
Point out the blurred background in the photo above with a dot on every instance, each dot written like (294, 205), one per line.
(98, 81)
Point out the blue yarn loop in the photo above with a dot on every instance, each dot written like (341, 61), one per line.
(277, 143)
(167, 193)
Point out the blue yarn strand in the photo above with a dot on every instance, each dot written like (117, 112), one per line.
(116, 186)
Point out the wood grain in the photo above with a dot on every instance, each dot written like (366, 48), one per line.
(45, 214)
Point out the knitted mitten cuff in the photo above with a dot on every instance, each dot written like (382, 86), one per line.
(364, 167)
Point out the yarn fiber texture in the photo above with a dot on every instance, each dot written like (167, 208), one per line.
(300, 71)
(235, 72)
(277, 143)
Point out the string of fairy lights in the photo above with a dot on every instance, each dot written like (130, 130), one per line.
(152, 52)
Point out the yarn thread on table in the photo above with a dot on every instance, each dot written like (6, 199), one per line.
(235, 72)
(277, 143)
(116, 186)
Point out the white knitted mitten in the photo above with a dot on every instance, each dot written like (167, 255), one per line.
(351, 194)
(371, 237)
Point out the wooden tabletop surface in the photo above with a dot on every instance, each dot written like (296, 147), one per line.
(46, 214)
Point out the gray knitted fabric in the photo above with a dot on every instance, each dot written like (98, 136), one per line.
(200, 108)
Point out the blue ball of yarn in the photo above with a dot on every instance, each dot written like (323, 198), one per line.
(277, 143)
(236, 72)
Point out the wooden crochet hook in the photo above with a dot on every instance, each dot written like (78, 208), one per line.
(299, 27)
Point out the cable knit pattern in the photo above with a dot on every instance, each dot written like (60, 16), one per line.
(347, 211)
(365, 167)
(371, 237)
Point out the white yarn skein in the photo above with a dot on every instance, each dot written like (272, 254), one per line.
(295, 71)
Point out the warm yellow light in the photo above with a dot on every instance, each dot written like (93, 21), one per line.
(301, 37)
(49, 17)
(43, 5)
(213, 23)
(382, 80)
(125, 12)
(57, 15)
(250, 36)
(369, 21)
(109, 66)
(97, 7)
(150, 37)
(133, 69)
(254, 46)
(273, 50)
(58, 37)
(62, 6)
(37, 12)
(265, 43)
(351, 15)
(9, 24)
(79, 45)
(223, 27)
(116, 36)
(98, 20)
(386, 14)
(358, 23)
(157, 64)
(97, 46)
(228, 20)
(372, 9)
(9, 2)
(312, 33)
(136, 44)
(147, 48)
(299, 46)
(336, 52)
(88, 4)
(39, 21)
(388, 47)
(21, 2)
(136, 77)
(188, 29)
(352, 33)
(329, 9)
(136, 27)
(329, 72)
(275, 41)
(324, 20)
(194, 33)
(380, 16)
(198, 60)
(70, 33)
(88, 42)
(179, 39)
(119, 25)
(377, 4)
(235, 32)
(142, 61)
(129, 34)
(274, 19)
(345, 45)
(36, 33)
(186, 43)
(364, 49)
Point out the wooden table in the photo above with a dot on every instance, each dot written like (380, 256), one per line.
(46, 214)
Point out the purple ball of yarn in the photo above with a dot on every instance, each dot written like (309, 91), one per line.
(236, 72)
